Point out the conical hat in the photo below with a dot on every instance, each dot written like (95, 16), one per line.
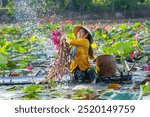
(77, 29)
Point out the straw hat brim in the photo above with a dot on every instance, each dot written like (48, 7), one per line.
(77, 29)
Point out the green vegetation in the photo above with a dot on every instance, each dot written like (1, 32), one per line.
(14, 88)
(82, 94)
(32, 92)
(17, 43)
(7, 5)
(46, 7)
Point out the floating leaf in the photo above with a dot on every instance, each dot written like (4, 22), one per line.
(31, 96)
(11, 64)
(32, 38)
(33, 89)
(3, 61)
(19, 49)
(13, 88)
(82, 94)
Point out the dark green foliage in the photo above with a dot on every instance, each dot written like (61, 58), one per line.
(48, 7)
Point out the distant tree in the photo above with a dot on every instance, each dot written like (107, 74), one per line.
(72, 5)
(142, 1)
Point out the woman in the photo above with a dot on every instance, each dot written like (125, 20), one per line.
(80, 53)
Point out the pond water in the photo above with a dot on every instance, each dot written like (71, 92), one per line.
(66, 89)
(24, 12)
(121, 95)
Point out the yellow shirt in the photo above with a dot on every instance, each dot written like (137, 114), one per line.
(81, 56)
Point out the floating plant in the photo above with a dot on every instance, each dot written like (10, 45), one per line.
(83, 94)
(32, 92)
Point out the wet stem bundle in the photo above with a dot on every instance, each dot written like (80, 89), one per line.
(60, 64)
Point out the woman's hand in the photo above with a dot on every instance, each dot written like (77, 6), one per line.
(63, 36)
(68, 40)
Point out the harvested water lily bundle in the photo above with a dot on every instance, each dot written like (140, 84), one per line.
(55, 38)
(60, 64)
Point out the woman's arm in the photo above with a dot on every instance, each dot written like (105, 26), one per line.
(79, 42)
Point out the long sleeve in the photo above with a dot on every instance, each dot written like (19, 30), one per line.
(81, 56)
(80, 42)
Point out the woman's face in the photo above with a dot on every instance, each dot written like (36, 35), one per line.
(82, 33)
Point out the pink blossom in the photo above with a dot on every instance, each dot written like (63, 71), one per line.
(62, 26)
(57, 46)
(68, 21)
(107, 27)
(137, 36)
(55, 38)
(50, 19)
(91, 27)
(30, 67)
(97, 28)
(147, 68)
(132, 55)
(142, 27)
(55, 32)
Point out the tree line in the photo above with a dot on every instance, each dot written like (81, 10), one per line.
(126, 6)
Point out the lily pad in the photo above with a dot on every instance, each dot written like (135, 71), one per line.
(83, 94)
(31, 96)
(13, 88)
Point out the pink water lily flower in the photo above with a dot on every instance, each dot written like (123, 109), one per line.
(55, 38)
(68, 21)
(142, 27)
(91, 27)
(62, 26)
(97, 28)
(137, 36)
(135, 54)
(30, 67)
(147, 68)
(50, 19)
(132, 55)
(55, 32)
(107, 27)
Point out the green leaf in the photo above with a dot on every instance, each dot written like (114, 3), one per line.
(123, 27)
(19, 49)
(33, 89)
(147, 23)
(11, 31)
(21, 66)
(2, 42)
(137, 24)
(32, 38)
(11, 64)
(3, 62)
(79, 94)
(20, 41)
(71, 35)
(31, 96)
(13, 88)
(54, 26)
(3, 49)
